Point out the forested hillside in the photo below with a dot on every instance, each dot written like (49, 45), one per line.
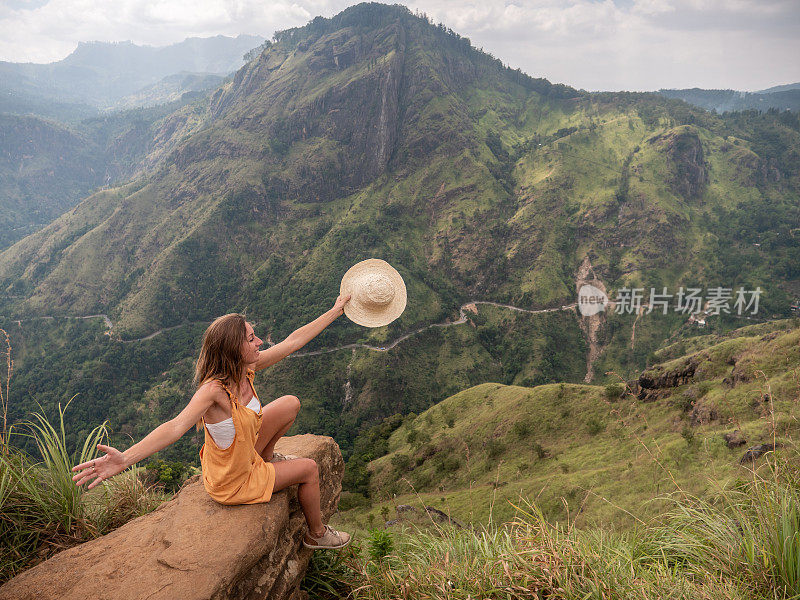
(47, 167)
(378, 134)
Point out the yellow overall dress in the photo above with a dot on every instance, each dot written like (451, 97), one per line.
(238, 474)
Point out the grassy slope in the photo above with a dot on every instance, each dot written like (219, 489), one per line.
(604, 458)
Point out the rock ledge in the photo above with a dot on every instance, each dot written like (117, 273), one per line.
(193, 548)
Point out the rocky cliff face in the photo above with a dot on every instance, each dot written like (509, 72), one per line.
(685, 151)
(193, 548)
(342, 87)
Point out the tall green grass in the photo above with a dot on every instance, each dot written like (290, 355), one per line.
(742, 541)
(42, 511)
(749, 532)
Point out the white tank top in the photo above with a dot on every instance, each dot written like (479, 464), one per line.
(223, 432)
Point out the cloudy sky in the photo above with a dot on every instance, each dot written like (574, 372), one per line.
(590, 44)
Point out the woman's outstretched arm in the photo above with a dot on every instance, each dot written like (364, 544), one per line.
(300, 337)
(114, 461)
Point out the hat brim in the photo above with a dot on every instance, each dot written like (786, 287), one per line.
(370, 316)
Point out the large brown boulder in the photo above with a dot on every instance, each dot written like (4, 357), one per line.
(193, 548)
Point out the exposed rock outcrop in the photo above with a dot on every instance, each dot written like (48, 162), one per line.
(734, 439)
(758, 451)
(685, 150)
(193, 548)
(657, 378)
(703, 413)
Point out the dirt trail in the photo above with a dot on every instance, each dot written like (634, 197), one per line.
(590, 325)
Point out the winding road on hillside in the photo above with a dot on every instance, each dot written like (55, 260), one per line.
(471, 305)
(462, 319)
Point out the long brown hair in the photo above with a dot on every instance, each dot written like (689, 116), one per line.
(221, 352)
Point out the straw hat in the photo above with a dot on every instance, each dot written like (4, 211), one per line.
(378, 293)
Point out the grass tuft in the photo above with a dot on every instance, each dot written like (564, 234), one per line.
(42, 511)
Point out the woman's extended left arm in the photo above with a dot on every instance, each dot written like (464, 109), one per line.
(300, 337)
(114, 461)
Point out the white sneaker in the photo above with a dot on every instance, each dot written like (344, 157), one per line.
(330, 540)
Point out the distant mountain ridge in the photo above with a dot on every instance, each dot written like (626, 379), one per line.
(47, 166)
(780, 88)
(780, 97)
(100, 74)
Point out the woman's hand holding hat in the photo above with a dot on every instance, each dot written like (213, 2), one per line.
(340, 302)
(377, 293)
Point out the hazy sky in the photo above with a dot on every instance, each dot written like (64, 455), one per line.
(595, 45)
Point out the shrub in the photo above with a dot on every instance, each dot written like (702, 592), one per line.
(380, 545)
(522, 428)
(401, 462)
(614, 391)
(703, 388)
(539, 450)
(687, 433)
(350, 500)
(594, 426)
(168, 474)
(494, 447)
(685, 400)
(448, 464)
(421, 479)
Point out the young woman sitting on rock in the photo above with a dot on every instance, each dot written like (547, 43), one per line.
(238, 459)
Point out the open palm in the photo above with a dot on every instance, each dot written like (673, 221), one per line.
(101, 468)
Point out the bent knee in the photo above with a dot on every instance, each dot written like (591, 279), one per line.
(310, 468)
(293, 403)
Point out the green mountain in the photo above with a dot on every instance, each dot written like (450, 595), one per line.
(47, 167)
(377, 134)
(44, 169)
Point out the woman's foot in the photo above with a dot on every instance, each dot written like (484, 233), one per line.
(327, 539)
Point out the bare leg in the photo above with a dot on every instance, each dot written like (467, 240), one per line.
(266, 453)
(305, 472)
(277, 419)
